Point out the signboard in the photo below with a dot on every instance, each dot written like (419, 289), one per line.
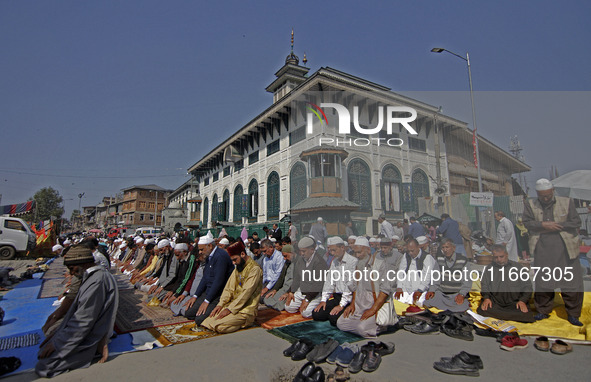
(481, 199)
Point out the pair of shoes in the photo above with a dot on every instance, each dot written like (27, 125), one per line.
(382, 348)
(310, 373)
(298, 350)
(423, 327)
(367, 359)
(542, 343)
(513, 342)
(541, 316)
(456, 328)
(561, 348)
(574, 320)
(345, 356)
(460, 364)
(340, 374)
(320, 352)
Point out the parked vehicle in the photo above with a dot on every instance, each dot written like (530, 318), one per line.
(114, 232)
(15, 237)
(148, 231)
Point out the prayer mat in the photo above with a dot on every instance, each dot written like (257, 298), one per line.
(52, 287)
(316, 331)
(30, 339)
(123, 282)
(179, 333)
(270, 318)
(134, 314)
(57, 269)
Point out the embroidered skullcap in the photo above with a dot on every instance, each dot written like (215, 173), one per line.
(373, 240)
(288, 248)
(395, 237)
(78, 255)
(543, 185)
(163, 243)
(236, 248)
(335, 240)
(352, 237)
(225, 241)
(422, 240)
(181, 247)
(56, 247)
(385, 240)
(362, 241)
(306, 242)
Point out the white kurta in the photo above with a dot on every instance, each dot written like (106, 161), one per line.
(506, 235)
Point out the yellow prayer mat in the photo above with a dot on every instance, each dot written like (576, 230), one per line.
(556, 326)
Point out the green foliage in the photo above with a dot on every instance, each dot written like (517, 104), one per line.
(48, 203)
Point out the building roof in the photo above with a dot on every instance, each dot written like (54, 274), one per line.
(150, 187)
(324, 202)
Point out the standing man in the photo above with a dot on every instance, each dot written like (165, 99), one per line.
(399, 230)
(292, 232)
(553, 223)
(415, 228)
(277, 234)
(450, 229)
(506, 235)
(318, 231)
(89, 322)
(386, 229)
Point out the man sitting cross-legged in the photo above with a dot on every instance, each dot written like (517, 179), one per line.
(501, 297)
(239, 302)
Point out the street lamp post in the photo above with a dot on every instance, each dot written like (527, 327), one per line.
(467, 59)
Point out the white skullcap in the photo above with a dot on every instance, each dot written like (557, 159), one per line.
(225, 241)
(124, 245)
(319, 219)
(352, 237)
(139, 240)
(373, 240)
(207, 239)
(150, 241)
(306, 242)
(362, 241)
(335, 240)
(181, 247)
(422, 240)
(163, 243)
(56, 247)
(543, 185)
(395, 237)
(273, 240)
(67, 242)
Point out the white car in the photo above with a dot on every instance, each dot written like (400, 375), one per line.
(15, 236)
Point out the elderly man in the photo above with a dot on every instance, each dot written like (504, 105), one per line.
(337, 290)
(448, 292)
(450, 229)
(415, 229)
(239, 302)
(417, 265)
(275, 298)
(399, 230)
(218, 268)
(370, 294)
(318, 231)
(88, 323)
(506, 235)
(553, 223)
(292, 232)
(223, 243)
(390, 255)
(304, 293)
(503, 296)
(272, 265)
(386, 228)
(178, 306)
(57, 250)
(185, 272)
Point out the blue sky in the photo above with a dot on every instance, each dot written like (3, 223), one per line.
(104, 95)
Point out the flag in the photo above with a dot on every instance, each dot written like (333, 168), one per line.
(475, 148)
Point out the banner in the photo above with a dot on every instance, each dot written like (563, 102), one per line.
(481, 199)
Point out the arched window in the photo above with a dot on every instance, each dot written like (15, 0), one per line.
(253, 200)
(238, 208)
(390, 188)
(215, 207)
(205, 212)
(225, 207)
(298, 184)
(360, 184)
(273, 196)
(420, 187)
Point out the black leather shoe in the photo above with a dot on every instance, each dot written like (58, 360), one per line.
(456, 366)
(470, 359)
(322, 351)
(424, 328)
(289, 351)
(457, 329)
(357, 362)
(385, 348)
(305, 372)
(372, 361)
(302, 350)
(317, 376)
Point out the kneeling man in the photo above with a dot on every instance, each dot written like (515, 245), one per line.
(239, 302)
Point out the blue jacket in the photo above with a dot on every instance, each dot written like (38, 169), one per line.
(416, 230)
(218, 267)
(451, 229)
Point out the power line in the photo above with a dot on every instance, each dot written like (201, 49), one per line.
(92, 176)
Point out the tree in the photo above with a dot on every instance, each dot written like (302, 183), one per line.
(48, 203)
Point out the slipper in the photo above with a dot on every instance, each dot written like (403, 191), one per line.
(542, 344)
(560, 347)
